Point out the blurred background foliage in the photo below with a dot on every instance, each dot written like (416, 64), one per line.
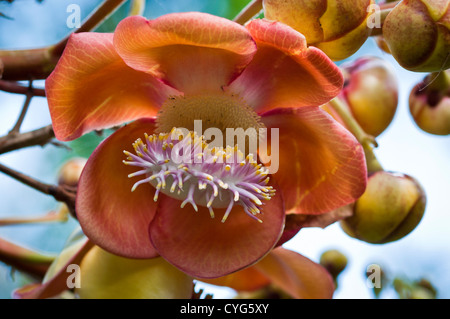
(423, 254)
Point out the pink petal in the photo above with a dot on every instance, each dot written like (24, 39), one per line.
(112, 216)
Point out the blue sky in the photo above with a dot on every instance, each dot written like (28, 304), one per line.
(403, 148)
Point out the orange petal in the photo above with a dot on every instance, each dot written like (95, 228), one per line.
(248, 279)
(193, 52)
(284, 71)
(204, 247)
(112, 216)
(295, 222)
(92, 88)
(321, 165)
(296, 275)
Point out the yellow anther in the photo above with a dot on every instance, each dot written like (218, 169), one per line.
(257, 201)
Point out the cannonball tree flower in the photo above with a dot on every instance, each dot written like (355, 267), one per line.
(211, 218)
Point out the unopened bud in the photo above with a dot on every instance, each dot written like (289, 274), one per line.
(421, 293)
(418, 34)
(107, 276)
(334, 261)
(371, 92)
(376, 279)
(390, 208)
(429, 103)
(427, 285)
(337, 27)
(381, 42)
(70, 172)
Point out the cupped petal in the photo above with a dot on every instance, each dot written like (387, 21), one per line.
(107, 276)
(193, 52)
(295, 222)
(247, 279)
(296, 275)
(321, 164)
(285, 72)
(112, 216)
(293, 273)
(204, 247)
(92, 88)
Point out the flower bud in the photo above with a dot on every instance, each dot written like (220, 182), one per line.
(381, 42)
(107, 276)
(334, 261)
(418, 34)
(390, 208)
(421, 293)
(370, 92)
(377, 277)
(70, 172)
(429, 103)
(426, 284)
(337, 27)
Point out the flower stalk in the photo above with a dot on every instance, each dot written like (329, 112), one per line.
(30, 261)
(39, 136)
(53, 216)
(367, 141)
(14, 87)
(251, 10)
(61, 194)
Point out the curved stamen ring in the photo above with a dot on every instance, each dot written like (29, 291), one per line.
(186, 168)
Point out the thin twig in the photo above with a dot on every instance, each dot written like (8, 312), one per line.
(60, 193)
(14, 87)
(39, 63)
(60, 215)
(41, 137)
(379, 29)
(367, 141)
(16, 129)
(32, 262)
(251, 10)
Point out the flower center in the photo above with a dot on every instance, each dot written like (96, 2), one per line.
(215, 111)
(185, 167)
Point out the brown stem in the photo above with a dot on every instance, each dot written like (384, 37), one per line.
(53, 216)
(24, 259)
(367, 141)
(379, 30)
(27, 64)
(16, 129)
(40, 137)
(60, 193)
(252, 9)
(14, 87)
(39, 63)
